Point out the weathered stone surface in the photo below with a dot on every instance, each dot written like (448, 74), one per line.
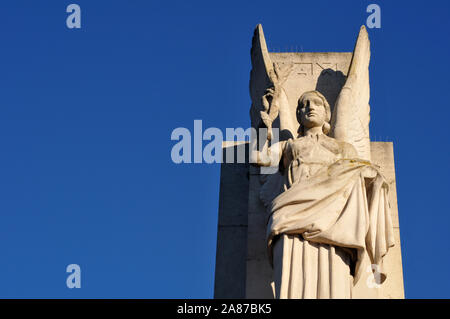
(230, 275)
(231, 253)
(324, 71)
(393, 287)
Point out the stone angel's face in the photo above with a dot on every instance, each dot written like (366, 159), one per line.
(312, 111)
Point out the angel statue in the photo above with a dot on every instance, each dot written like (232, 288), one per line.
(328, 204)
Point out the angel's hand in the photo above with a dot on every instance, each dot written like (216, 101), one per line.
(261, 159)
(268, 99)
(269, 156)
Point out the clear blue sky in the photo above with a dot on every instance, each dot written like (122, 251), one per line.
(86, 116)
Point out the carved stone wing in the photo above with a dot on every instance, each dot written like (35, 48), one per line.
(267, 77)
(260, 75)
(351, 114)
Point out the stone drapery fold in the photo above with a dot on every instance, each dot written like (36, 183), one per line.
(345, 205)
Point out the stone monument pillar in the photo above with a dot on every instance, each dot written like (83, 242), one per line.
(357, 229)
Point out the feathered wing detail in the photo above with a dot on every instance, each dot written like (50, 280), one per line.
(260, 75)
(269, 100)
(351, 114)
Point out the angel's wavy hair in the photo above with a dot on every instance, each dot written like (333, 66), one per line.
(326, 126)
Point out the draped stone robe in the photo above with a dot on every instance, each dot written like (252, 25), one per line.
(333, 209)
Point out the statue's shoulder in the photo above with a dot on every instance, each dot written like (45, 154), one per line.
(345, 149)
